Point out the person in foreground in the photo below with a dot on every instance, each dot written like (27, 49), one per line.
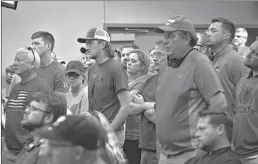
(214, 133)
(74, 139)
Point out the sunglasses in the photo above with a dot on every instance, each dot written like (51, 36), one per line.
(30, 49)
(73, 74)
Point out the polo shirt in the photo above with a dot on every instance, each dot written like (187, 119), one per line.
(220, 156)
(245, 129)
(180, 94)
(230, 68)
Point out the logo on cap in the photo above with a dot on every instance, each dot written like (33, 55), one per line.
(170, 21)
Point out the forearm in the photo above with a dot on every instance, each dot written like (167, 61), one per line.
(150, 115)
(120, 118)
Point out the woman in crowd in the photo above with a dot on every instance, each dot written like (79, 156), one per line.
(137, 67)
(143, 104)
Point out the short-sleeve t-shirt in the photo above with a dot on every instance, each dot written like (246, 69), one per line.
(104, 83)
(180, 94)
(79, 104)
(54, 75)
(15, 135)
(245, 129)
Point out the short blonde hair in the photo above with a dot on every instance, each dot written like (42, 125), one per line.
(31, 55)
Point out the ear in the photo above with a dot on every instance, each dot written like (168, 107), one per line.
(78, 153)
(48, 45)
(49, 118)
(227, 36)
(220, 129)
(32, 65)
(102, 45)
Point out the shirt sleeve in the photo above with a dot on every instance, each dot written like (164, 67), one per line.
(206, 79)
(60, 84)
(84, 107)
(120, 80)
(238, 69)
(233, 162)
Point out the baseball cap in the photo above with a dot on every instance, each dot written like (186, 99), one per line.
(178, 22)
(95, 33)
(84, 130)
(75, 66)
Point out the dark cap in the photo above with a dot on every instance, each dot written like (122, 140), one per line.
(75, 66)
(178, 22)
(84, 130)
(95, 33)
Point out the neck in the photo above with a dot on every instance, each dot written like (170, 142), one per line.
(255, 72)
(135, 76)
(36, 138)
(240, 46)
(101, 58)
(179, 55)
(92, 158)
(46, 59)
(76, 89)
(27, 76)
(220, 144)
(219, 47)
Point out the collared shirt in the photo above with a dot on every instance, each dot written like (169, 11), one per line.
(230, 69)
(180, 94)
(243, 51)
(245, 130)
(30, 154)
(220, 156)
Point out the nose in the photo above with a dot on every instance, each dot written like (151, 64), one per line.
(15, 63)
(207, 33)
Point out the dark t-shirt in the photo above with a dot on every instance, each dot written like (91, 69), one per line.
(148, 136)
(15, 135)
(245, 130)
(54, 75)
(104, 83)
(221, 156)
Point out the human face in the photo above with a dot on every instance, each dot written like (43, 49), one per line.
(125, 55)
(174, 44)
(22, 64)
(240, 38)
(34, 115)
(9, 77)
(40, 47)
(58, 152)
(206, 134)
(86, 61)
(251, 59)
(134, 65)
(215, 35)
(94, 48)
(155, 59)
(74, 79)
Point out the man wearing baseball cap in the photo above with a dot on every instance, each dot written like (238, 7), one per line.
(74, 139)
(107, 81)
(187, 84)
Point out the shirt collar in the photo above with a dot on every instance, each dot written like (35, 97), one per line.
(221, 51)
(251, 75)
(219, 151)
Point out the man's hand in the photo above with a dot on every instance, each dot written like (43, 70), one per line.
(138, 99)
(135, 109)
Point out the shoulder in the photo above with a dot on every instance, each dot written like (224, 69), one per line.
(58, 68)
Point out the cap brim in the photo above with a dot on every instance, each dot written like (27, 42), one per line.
(161, 29)
(73, 70)
(48, 133)
(83, 40)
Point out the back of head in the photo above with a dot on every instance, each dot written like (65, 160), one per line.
(46, 36)
(227, 26)
(55, 102)
(33, 56)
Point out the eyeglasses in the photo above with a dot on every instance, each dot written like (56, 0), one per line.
(30, 49)
(73, 74)
(37, 109)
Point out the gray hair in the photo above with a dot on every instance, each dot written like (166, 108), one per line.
(30, 55)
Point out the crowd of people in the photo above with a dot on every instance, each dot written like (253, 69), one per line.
(193, 99)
